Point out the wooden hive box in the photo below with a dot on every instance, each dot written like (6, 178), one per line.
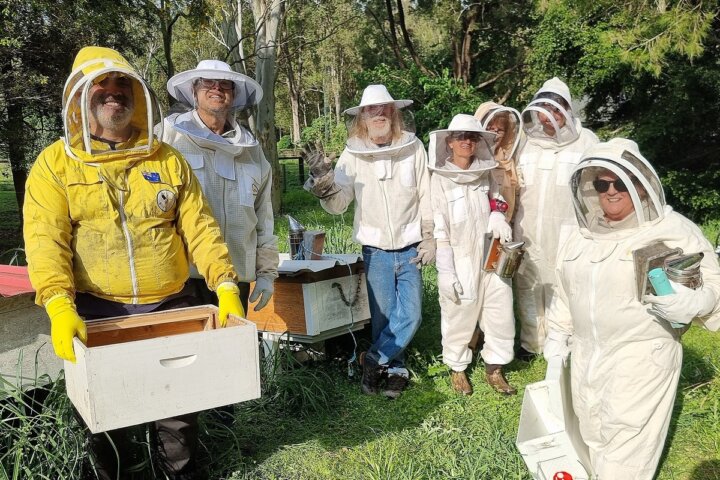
(312, 302)
(141, 368)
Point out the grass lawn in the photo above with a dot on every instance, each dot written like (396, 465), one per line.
(313, 422)
(10, 232)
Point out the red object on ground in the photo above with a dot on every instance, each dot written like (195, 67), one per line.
(562, 476)
(14, 281)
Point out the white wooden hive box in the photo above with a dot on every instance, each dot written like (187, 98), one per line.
(142, 368)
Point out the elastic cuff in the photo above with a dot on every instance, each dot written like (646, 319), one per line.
(227, 286)
(57, 296)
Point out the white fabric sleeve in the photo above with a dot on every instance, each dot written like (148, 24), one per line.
(423, 185)
(267, 257)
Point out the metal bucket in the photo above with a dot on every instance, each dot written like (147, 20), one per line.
(511, 254)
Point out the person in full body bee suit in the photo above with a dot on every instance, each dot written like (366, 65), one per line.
(555, 140)
(461, 160)
(625, 353)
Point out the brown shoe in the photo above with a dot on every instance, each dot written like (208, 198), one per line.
(460, 383)
(496, 379)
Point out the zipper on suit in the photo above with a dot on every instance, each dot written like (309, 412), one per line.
(128, 241)
(593, 323)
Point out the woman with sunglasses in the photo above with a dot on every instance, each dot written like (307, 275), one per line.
(461, 159)
(626, 353)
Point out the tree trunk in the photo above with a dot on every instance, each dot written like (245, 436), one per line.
(16, 149)
(408, 41)
(393, 33)
(295, 108)
(336, 91)
(462, 56)
(268, 15)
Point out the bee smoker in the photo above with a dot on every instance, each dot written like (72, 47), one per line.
(295, 239)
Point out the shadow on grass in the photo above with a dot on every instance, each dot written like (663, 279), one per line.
(696, 376)
(708, 470)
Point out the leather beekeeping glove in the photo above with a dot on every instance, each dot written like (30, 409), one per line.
(448, 284)
(426, 247)
(229, 302)
(499, 227)
(65, 324)
(263, 290)
(556, 345)
(683, 305)
(321, 181)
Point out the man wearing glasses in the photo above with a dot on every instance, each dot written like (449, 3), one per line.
(545, 217)
(232, 170)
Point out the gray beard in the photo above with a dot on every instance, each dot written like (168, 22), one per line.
(379, 133)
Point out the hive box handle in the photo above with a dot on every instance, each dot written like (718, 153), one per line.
(178, 362)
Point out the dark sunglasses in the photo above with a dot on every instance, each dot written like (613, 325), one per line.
(473, 137)
(602, 186)
(211, 82)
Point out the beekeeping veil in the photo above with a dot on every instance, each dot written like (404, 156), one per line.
(380, 124)
(621, 157)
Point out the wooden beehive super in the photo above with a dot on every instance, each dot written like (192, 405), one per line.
(141, 368)
(310, 303)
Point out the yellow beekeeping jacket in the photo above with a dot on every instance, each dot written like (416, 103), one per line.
(121, 224)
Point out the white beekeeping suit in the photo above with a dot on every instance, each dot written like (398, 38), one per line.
(233, 173)
(544, 217)
(462, 214)
(626, 355)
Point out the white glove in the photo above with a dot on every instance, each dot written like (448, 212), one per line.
(263, 290)
(448, 284)
(683, 305)
(499, 227)
(556, 345)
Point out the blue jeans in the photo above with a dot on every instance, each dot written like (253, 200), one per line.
(394, 288)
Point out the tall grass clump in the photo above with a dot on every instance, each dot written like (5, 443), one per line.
(39, 436)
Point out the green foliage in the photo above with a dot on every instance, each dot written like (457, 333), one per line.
(326, 131)
(436, 99)
(284, 143)
(694, 194)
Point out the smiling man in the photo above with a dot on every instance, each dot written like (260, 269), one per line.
(383, 169)
(232, 170)
(111, 216)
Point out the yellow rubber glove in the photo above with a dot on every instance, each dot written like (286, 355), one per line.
(229, 302)
(65, 324)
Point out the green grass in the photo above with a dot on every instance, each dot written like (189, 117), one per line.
(10, 230)
(313, 423)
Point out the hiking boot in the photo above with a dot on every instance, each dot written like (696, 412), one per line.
(395, 385)
(496, 379)
(460, 383)
(372, 372)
